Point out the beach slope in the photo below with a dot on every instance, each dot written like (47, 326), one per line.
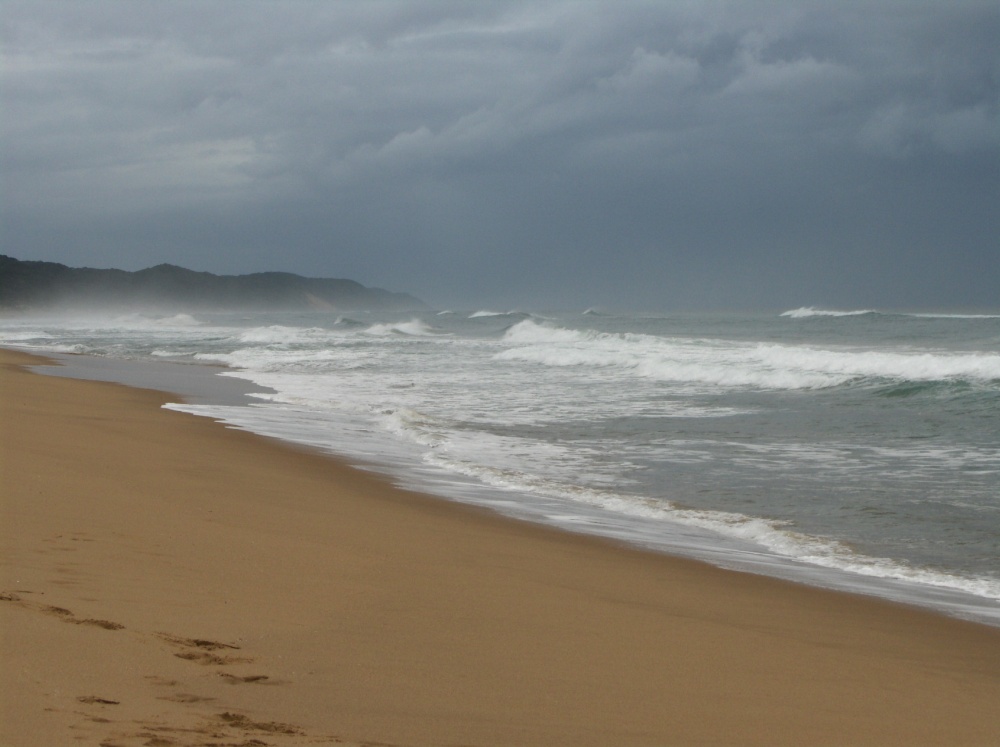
(167, 581)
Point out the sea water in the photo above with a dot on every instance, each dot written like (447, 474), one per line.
(857, 450)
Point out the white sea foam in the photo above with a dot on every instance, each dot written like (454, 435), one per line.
(808, 311)
(258, 360)
(172, 353)
(17, 336)
(940, 366)
(811, 311)
(737, 364)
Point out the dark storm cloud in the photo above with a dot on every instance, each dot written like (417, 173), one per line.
(629, 154)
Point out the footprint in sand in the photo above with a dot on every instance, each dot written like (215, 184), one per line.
(67, 616)
(200, 650)
(253, 679)
(240, 721)
(106, 624)
(185, 698)
(93, 699)
(61, 612)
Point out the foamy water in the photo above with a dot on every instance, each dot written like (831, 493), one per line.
(852, 449)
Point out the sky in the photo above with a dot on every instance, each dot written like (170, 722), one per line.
(658, 155)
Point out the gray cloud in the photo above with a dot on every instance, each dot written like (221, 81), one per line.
(629, 154)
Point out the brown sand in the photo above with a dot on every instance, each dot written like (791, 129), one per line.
(167, 581)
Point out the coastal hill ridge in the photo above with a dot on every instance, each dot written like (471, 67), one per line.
(32, 285)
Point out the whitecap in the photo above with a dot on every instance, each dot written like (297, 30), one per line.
(738, 364)
(810, 311)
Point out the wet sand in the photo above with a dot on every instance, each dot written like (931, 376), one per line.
(167, 581)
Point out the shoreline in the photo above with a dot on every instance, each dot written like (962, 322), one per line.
(194, 383)
(203, 392)
(227, 586)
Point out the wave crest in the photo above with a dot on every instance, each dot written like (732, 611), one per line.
(806, 312)
(485, 313)
(809, 311)
(739, 364)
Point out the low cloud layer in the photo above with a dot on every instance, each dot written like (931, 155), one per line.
(630, 154)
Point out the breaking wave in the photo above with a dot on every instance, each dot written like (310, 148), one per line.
(739, 364)
(484, 313)
(808, 311)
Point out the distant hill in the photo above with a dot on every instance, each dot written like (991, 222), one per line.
(43, 285)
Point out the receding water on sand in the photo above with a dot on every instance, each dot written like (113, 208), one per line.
(198, 384)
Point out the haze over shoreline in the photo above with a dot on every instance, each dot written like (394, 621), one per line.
(39, 286)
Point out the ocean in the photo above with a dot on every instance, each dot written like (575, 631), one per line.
(855, 450)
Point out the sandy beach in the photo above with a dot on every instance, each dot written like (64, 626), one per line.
(167, 581)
